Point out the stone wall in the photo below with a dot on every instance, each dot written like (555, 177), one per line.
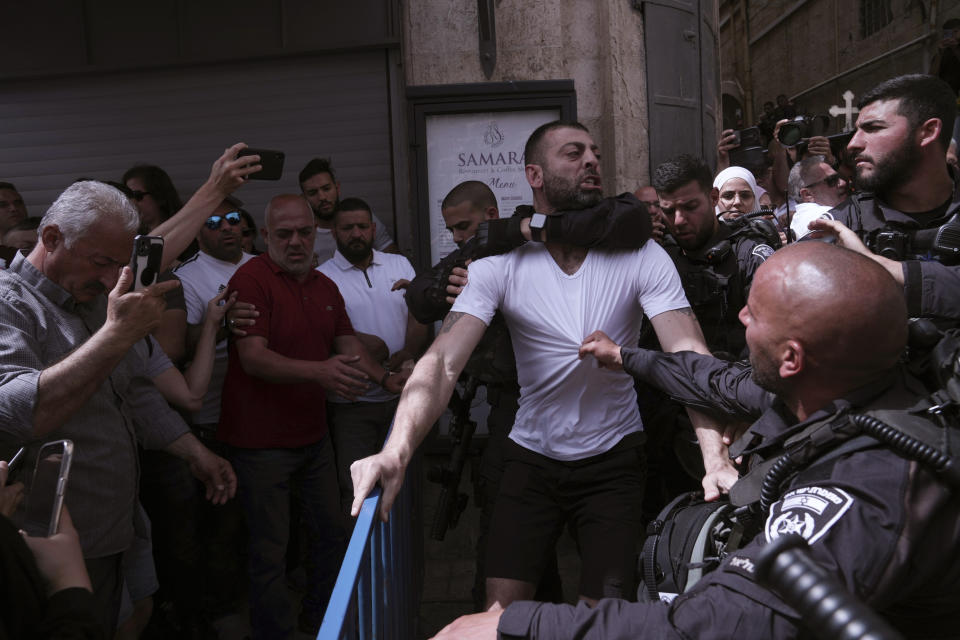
(596, 43)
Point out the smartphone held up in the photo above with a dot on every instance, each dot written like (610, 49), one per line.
(39, 513)
(145, 261)
(271, 163)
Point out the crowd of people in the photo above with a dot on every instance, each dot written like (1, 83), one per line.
(228, 419)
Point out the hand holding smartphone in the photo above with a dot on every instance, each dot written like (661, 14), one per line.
(270, 160)
(145, 261)
(40, 514)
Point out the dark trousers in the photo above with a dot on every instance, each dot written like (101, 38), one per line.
(265, 478)
(107, 581)
(358, 430)
(170, 497)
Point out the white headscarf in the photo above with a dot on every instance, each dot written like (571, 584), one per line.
(744, 174)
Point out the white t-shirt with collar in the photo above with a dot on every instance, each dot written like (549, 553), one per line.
(372, 306)
(202, 277)
(570, 408)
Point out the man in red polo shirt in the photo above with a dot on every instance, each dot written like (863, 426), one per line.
(273, 414)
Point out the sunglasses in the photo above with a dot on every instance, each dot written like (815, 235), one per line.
(139, 195)
(232, 218)
(831, 181)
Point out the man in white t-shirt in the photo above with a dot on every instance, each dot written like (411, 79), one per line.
(576, 452)
(371, 284)
(320, 188)
(203, 276)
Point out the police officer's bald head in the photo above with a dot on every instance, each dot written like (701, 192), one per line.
(822, 315)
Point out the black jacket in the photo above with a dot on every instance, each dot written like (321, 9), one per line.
(889, 530)
(932, 288)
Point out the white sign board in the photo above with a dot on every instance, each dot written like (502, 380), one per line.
(487, 147)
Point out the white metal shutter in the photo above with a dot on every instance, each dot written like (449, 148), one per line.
(53, 130)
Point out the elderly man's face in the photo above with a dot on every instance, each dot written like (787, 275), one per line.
(826, 186)
(289, 235)
(92, 265)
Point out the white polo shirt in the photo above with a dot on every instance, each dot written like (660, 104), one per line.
(373, 308)
(202, 277)
(325, 245)
(570, 408)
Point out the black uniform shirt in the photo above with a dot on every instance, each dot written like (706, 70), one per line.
(880, 523)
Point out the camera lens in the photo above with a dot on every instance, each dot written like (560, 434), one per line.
(143, 250)
(790, 134)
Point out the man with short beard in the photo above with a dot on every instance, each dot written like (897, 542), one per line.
(903, 132)
(299, 347)
(372, 284)
(575, 453)
(321, 190)
(716, 261)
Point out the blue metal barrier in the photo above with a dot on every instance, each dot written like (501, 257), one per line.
(377, 591)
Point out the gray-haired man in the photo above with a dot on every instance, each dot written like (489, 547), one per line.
(72, 366)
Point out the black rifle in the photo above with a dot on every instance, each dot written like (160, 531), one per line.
(451, 502)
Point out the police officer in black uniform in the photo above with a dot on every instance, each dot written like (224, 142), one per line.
(716, 260)
(471, 214)
(883, 524)
(907, 191)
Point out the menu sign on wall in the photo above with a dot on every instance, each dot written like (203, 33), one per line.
(487, 147)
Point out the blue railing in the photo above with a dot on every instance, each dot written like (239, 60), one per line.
(378, 590)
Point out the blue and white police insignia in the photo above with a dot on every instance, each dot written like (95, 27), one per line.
(808, 511)
(762, 251)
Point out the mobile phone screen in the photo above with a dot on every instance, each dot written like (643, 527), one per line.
(44, 499)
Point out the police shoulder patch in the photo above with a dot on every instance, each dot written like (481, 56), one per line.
(763, 251)
(808, 511)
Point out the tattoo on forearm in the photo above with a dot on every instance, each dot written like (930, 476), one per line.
(450, 320)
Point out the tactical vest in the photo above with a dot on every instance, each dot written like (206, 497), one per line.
(690, 537)
(713, 283)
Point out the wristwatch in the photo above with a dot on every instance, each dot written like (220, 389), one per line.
(537, 222)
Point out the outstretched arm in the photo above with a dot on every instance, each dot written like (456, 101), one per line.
(717, 387)
(186, 390)
(678, 330)
(424, 398)
(227, 174)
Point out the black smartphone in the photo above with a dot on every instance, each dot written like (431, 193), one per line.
(45, 492)
(271, 162)
(145, 261)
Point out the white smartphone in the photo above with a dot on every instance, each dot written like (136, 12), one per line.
(145, 261)
(45, 493)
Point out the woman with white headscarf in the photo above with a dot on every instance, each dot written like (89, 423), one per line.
(738, 192)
